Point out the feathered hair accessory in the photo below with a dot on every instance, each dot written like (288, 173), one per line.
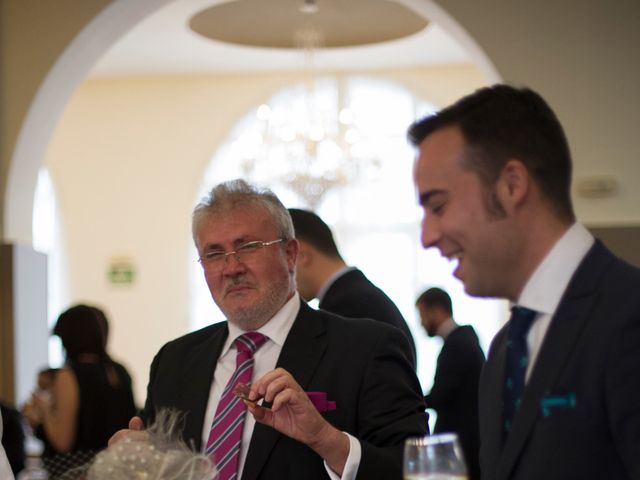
(157, 453)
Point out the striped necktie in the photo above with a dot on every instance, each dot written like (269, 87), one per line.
(516, 362)
(223, 445)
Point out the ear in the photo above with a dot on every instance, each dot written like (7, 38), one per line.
(513, 184)
(305, 254)
(293, 254)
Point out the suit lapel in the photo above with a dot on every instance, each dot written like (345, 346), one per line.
(492, 385)
(572, 315)
(300, 356)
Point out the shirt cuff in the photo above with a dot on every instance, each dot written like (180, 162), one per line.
(352, 463)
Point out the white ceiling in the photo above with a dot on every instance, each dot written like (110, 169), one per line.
(163, 43)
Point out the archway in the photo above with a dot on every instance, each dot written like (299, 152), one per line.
(72, 67)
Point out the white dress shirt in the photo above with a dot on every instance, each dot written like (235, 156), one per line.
(265, 359)
(544, 290)
(5, 468)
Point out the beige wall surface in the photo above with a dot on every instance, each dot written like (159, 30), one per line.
(582, 57)
(138, 157)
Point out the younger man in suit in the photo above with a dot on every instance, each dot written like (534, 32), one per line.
(560, 392)
(322, 273)
(366, 398)
(454, 394)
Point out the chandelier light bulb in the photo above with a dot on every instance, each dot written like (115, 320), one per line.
(264, 112)
(352, 136)
(345, 116)
(309, 6)
(316, 133)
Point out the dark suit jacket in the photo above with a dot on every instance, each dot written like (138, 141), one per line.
(580, 411)
(353, 295)
(360, 364)
(454, 395)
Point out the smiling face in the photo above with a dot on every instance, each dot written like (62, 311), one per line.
(251, 290)
(460, 217)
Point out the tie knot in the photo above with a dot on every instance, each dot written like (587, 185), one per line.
(520, 322)
(250, 342)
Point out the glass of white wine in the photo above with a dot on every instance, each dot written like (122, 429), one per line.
(434, 457)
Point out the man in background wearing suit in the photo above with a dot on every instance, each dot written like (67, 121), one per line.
(366, 397)
(560, 392)
(454, 394)
(322, 273)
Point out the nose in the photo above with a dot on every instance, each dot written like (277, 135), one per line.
(430, 234)
(233, 263)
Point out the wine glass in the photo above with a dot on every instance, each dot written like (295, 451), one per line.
(434, 457)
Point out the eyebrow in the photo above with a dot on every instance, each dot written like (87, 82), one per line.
(426, 196)
(217, 246)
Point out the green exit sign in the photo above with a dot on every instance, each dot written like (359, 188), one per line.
(121, 272)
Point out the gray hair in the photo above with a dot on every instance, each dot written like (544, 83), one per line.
(234, 193)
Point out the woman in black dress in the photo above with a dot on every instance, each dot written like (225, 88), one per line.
(90, 398)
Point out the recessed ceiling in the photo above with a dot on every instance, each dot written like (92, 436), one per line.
(286, 23)
(163, 43)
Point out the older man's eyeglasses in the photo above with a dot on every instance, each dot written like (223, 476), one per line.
(218, 258)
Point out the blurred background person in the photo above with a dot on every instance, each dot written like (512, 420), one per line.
(103, 322)
(90, 398)
(322, 273)
(5, 468)
(13, 437)
(454, 394)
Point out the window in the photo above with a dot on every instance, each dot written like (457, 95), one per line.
(376, 222)
(47, 239)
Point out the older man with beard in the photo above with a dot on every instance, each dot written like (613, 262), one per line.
(328, 397)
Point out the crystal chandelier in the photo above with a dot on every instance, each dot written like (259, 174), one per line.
(310, 141)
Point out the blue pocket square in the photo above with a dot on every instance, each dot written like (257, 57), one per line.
(554, 402)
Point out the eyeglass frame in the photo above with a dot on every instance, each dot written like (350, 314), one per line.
(221, 257)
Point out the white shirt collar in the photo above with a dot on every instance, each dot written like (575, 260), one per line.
(545, 287)
(337, 274)
(446, 328)
(275, 329)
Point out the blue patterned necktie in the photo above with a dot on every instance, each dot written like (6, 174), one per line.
(517, 362)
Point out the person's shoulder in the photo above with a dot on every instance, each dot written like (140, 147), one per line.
(356, 280)
(614, 278)
(357, 296)
(122, 371)
(465, 332)
(198, 336)
(626, 270)
(357, 326)
(599, 257)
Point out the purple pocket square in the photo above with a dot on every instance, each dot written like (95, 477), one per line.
(319, 400)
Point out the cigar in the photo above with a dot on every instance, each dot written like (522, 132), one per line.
(242, 392)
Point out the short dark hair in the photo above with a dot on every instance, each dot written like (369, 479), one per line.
(435, 297)
(502, 122)
(80, 331)
(310, 228)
